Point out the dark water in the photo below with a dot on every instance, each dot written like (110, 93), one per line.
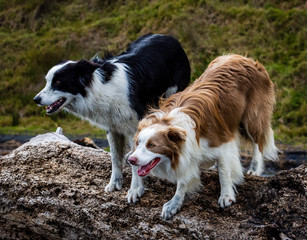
(287, 159)
(17, 138)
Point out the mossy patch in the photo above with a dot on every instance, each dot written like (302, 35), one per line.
(35, 35)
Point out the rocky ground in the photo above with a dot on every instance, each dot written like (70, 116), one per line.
(55, 190)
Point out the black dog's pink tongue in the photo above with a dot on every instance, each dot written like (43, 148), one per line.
(55, 106)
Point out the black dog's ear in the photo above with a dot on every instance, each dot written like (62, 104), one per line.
(85, 70)
(108, 68)
(85, 67)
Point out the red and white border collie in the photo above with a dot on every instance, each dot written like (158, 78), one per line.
(234, 97)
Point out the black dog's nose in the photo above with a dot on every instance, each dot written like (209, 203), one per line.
(37, 99)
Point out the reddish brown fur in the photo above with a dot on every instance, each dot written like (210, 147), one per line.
(233, 91)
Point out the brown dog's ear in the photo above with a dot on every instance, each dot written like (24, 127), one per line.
(176, 135)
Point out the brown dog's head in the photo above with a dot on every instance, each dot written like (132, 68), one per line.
(155, 143)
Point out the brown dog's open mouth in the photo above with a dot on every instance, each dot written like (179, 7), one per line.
(55, 106)
(144, 170)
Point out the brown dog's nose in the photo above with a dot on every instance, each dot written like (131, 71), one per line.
(133, 160)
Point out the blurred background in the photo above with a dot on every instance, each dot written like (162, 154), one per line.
(37, 34)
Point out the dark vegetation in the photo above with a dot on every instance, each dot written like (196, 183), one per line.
(35, 35)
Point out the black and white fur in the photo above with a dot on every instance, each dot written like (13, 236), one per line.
(114, 93)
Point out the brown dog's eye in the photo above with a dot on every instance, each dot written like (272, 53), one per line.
(150, 145)
(57, 82)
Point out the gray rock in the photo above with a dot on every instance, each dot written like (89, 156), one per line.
(56, 136)
(52, 188)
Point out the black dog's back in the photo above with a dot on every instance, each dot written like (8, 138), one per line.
(156, 63)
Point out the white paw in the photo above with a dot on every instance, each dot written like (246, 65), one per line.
(253, 172)
(134, 194)
(225, 200)
(214, 167)
(114, 184)
(170, 209)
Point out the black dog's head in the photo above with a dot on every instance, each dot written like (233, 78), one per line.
(64, 82)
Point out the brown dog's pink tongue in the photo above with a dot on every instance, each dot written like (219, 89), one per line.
(144, 170)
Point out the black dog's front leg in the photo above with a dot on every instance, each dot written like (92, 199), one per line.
(136, 190)
(117, 149)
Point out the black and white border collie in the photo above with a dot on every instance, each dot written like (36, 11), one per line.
(115, 93)
(234, 97)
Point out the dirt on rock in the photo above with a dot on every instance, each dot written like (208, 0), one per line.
(55, 190)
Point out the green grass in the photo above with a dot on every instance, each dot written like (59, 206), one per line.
(41, 124)
(35, 35)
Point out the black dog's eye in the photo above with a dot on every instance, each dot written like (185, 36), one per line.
(58, 82)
